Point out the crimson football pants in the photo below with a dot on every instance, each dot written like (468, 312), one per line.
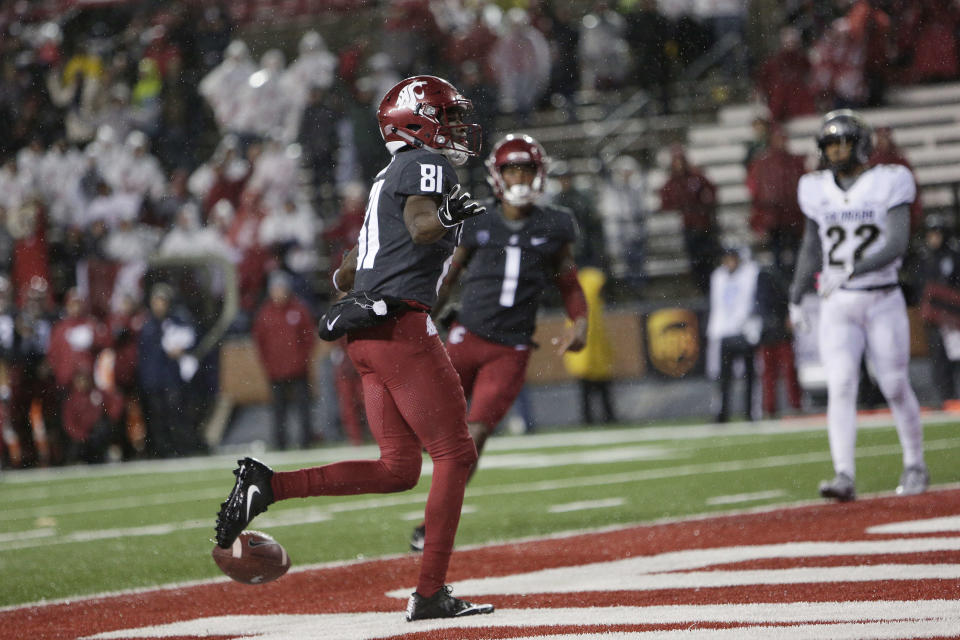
(492, 374)
(414, 401)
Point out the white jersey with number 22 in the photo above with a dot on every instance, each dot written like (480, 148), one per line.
(853, 223)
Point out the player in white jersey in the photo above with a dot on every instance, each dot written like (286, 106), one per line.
(857, 230)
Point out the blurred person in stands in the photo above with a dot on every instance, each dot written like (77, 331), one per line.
(733, 326)
(520, 62)
(223, 88)
(60, 173)
(365, 147)
(775, 216)
(140, 172)
(125, 323)
(412, 39)
(265, 102)
(90, 417)
(760, 136)
(129, 244)
(837, 62)
(783, 79)
(870, 27)
(689, 192)
(289, 232)
(938, 277)
(275, 173)
(589, 249)
(285, 334)
(313, 71)
(621, 195)
(188, 238)
(164, 341)
(507, 258)
(776, 341)
(322, 129)
(886, 151)
(223, 176)
(603, 52)
(648, 34)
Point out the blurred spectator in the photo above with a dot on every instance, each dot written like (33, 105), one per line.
(223, 86)
(938, 277)
(90, 417)
(290, 232)
(274, 176)
(838, 68)
(321, 133)
(412, 37)
(129, 244)
(602, 48)
(365, 152)
(564, 41)
(648, 34)
(622, 207)
(312, 72)
(264, 104)
(776, 344)
(783, 79)
(75, 340)
(733, 327)
(760, 126)
(590, 249)
(285, 333)
(140, 172)
(886, 151)
(31, 256)
(223, 176)
(520, 62)
(870, 27)
(161, 349)
(125, 323)
(775, 216)
(694, 196)
(349, 388)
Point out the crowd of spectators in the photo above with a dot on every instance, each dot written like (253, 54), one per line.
(145, 130)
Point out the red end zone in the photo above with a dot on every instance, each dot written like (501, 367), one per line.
(877, 568)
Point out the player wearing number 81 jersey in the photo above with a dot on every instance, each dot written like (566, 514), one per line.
(511, 255)
(858, 221)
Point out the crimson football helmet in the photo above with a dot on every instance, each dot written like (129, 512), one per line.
(426, 111)
(517, 149)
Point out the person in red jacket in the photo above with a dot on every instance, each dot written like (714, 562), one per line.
(285, 333)
(694, 196)
(783, 79)
(90, 416)
(775, 216)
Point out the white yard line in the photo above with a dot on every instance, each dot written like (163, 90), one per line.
(738, 498)
(583, 505)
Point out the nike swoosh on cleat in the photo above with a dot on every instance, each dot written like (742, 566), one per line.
(330, 323)
(250, 493)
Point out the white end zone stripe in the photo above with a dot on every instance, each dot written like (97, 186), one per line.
(809, 620)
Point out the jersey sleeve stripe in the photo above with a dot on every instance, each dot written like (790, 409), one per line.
(370, 233)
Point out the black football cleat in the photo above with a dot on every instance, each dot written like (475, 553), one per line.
(442, 605)
(250, 496)
(417, 538)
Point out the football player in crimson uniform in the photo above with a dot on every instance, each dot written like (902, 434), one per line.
(510, 255)
(412, 393)
(858, 226)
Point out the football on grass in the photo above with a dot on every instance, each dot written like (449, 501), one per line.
(253, 558)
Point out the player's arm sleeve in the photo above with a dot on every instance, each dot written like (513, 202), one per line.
(808, 258)
(898, 237)
(461, 257)
(570, 290)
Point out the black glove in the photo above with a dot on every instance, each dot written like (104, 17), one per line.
(457, 206)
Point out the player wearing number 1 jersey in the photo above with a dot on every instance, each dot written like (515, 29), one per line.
(510, 255)
(858, 222)
(411, 391)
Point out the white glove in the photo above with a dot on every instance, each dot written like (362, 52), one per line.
(832, 279)
(798, 318)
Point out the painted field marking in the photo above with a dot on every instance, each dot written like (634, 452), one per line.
(685, 569)
(931, 525)
(306, 515)
(738, 498)
(583, 505)
(312, 457)
(810, 621)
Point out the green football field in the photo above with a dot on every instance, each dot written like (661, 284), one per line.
(86, 530)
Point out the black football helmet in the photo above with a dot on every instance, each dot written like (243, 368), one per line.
(845, 124)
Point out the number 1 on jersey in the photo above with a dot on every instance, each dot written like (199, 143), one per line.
(511, 276)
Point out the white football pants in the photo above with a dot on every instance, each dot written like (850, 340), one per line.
(875, 321)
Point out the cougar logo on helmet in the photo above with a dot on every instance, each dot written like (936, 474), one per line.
(410, 95)
(428, 112)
